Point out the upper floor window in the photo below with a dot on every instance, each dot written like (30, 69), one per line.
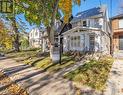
(120, 23)
(36, 33)
(96, 22)
(84, 23)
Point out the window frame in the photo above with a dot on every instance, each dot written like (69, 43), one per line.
(84, 23)
(75, 41)
(120, 23)
(92, 42)
(36, 33)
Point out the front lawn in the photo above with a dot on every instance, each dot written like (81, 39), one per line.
(93, 74)
(42, 60)
(23, 54)
(46, 64)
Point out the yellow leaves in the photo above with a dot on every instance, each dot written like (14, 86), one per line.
(66, 7)
(8, 43)
(5, 38)
(78, 2)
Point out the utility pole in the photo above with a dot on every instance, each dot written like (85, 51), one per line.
(110, 8)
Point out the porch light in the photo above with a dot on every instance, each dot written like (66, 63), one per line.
(6, 6)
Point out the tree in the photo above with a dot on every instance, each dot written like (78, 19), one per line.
(5, 38)
(17, 9)
(24, 42)
(46, 12)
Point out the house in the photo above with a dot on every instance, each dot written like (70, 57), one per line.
(117, 28)
(90, 32)
(35, 38)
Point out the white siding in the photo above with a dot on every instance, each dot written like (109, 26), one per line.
(35, 38)
(98, 42)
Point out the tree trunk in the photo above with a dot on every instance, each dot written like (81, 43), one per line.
(53, 50)
(16, 35)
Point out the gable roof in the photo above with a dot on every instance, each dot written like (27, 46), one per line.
(88, 13)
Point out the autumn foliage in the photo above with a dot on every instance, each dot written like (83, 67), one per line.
(66, 7)
(5, 38)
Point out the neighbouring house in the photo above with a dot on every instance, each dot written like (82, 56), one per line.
(35, 38)
(117, 28)
(90, 32)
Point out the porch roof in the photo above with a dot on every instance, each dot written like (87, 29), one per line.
(82, 28)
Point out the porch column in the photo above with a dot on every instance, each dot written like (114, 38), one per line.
(97, 41)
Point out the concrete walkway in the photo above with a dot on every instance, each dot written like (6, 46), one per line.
(115, 81)
(36, 81)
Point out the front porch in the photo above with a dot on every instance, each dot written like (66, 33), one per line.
(83, 39)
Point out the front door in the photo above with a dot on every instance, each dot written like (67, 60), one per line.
(120, 42)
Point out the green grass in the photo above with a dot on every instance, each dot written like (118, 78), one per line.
(46, 64)
(93, 73)
(23, 55)
(43, 62)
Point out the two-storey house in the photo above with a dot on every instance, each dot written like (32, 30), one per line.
(117, 28)
(35, 38)
(90, 32)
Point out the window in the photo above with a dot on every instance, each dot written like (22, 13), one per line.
(96, 22)
(75, 41)
(84, 23)
(92, 42)
(120, 23)
(78, 41)
(71, 41)
(36, 33)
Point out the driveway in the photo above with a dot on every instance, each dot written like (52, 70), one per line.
(36, 81)
(118, 55)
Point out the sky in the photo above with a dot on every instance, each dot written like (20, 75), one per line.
(88, 4)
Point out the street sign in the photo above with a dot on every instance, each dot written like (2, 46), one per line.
(6, 6)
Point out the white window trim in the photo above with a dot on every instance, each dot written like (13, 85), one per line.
(120, 23)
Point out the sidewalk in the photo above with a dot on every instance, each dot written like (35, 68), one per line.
(115, 81)
(36, 81)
